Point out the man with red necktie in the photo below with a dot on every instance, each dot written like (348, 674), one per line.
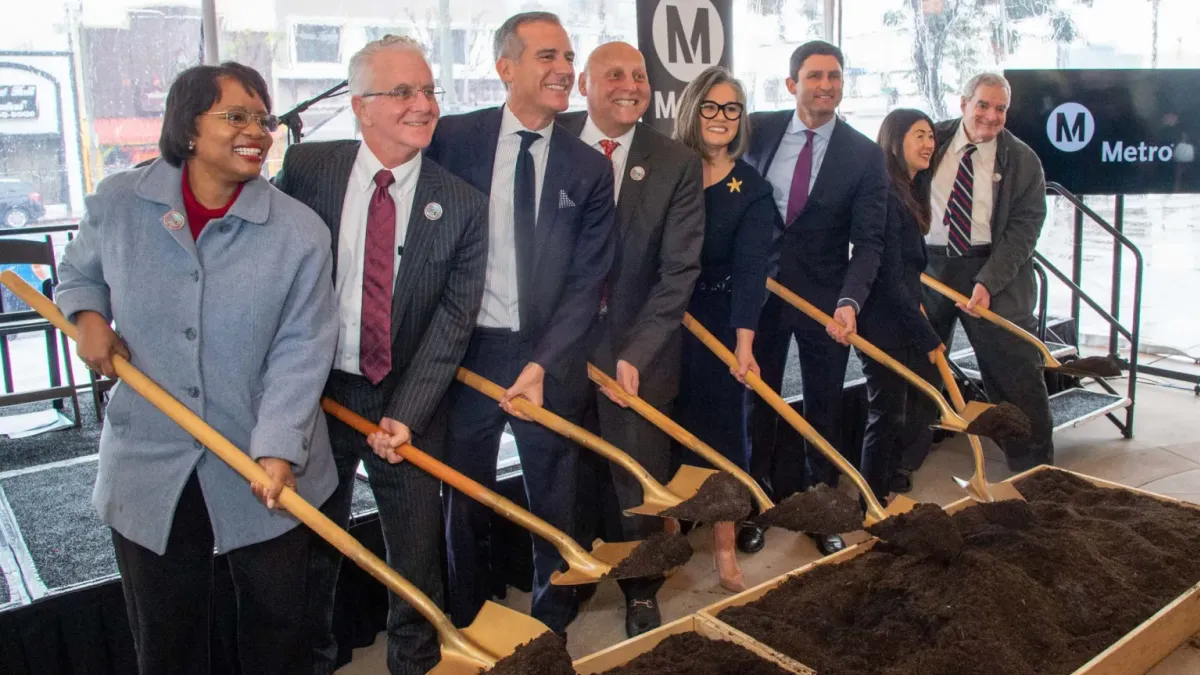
(637, 339)
(410, 248)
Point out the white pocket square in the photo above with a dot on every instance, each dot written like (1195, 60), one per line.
(564, 200)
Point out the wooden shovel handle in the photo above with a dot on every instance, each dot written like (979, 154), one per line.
(463, 484)
(949, 416)
(992, 317)
(685, 437)
(874, 508)
(251, 471)
(574, 432)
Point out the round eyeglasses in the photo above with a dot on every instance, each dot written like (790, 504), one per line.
(731, 111)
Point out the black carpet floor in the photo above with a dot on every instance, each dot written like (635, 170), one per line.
(68, 543)
(53, 446)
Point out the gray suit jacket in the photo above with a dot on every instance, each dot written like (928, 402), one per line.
(1018, 213)
(239, 326)
(439, 285)
(660, 219)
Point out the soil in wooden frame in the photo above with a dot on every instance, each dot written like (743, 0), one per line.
(1037, 589)
(695, 654)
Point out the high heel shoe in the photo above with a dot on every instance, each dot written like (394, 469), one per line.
(725, 558)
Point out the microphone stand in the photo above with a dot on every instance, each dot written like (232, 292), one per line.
(292, 119)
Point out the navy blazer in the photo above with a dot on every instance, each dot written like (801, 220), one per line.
(575, 239)
(892, 317)
(847, 206)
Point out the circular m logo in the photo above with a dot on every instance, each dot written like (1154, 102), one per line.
(1070, 127)
(688, 37)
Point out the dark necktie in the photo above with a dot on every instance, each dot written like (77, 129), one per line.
(960, 204)
(379, 259)
(524, 219)
(609, 148)
(801, 177)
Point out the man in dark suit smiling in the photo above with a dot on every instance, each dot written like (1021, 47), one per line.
(409, 248)
(831, 190)
(551, 238)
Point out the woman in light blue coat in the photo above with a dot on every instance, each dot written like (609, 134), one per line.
(221, 288)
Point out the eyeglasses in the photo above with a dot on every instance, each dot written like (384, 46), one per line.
(240, 119)
(407, 93)
(731, 111)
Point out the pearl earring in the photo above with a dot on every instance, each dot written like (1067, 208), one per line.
(191, 145)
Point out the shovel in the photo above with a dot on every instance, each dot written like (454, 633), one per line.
(1002, 422)
(656, 497)
(672, 428)
(1091, 366)
(875, 511)
(583, 568)
(496, 632)
(978, 487)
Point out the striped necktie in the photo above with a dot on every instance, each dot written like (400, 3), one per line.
(959, 205)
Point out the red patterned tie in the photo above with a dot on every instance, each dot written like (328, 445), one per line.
(379, 259)
(609, 148)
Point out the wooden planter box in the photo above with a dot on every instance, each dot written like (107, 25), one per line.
(1136, 652)
(624, 652)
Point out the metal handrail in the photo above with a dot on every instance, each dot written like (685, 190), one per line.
(1075, 281)
(41, 229)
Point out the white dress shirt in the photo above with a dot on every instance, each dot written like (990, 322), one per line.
(779, 174)
(352, 242)
(500, 308)
(984, 164)
(592, 135)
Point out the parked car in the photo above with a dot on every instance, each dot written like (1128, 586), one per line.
(20, 203)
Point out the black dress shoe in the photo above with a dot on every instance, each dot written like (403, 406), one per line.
(641, 616)
(901, 481)
(751, 538)
(828, 544)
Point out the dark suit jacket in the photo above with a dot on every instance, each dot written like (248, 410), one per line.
(1018, 213)
(574, 237)
(892, 317)
(847, 206)
(660, 220)
(440, 281)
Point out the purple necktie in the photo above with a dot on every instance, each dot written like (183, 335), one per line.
(801, 177)
(379, 259)
(959, 205)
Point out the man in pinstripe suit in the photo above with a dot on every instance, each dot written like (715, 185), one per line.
(410, 247)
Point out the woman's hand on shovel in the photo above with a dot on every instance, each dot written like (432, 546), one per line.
(280, 473)
(744, 351)
(933, 354)
(97, 342)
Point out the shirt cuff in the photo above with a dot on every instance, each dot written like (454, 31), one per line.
(848, 302)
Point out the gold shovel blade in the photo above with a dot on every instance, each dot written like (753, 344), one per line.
(609, 554)
(900, 504)
(684, 486)
(973, 410)
(497, 630)
(995, 492)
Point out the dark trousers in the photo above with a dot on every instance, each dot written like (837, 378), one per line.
(890, 430)
(548, 464)
(649, 447)
(1011, 368)
(410, 514)
(169, 597)
(712, 404)
(823, 371)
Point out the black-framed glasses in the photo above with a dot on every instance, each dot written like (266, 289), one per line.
(731, 111)
(240, 119)
(407, 93)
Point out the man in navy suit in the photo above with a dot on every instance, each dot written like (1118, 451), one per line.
(551, 243)
(831, 189)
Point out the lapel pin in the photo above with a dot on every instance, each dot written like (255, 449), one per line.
(637, 173)
(995, 178)
(433, 211)
(173, 220)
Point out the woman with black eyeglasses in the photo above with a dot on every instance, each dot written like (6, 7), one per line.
(741, 224)
(222, 289)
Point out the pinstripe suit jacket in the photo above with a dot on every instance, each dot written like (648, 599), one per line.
(439, 284)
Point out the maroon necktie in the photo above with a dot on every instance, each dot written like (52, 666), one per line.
(609, 148)
(801, 177)
(379, 259)
(960, 204)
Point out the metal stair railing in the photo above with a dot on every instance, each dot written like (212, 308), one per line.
(1112, 315)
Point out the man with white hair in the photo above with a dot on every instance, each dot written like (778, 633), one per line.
(409, 253)
(988, 203)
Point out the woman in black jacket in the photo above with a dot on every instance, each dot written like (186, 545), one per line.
(892, 319)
